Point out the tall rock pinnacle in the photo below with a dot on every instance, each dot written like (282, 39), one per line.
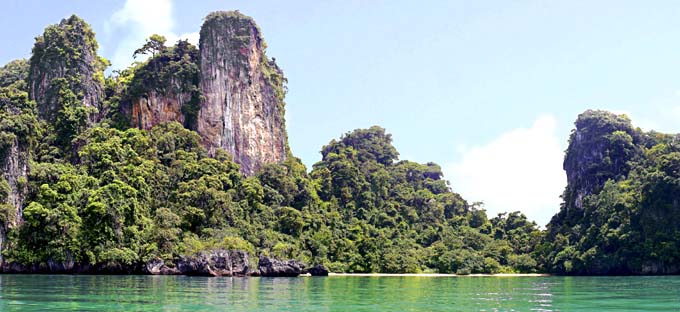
(66, 56)
(242, 110)
(599, 150)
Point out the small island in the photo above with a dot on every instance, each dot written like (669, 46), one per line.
(180, 164)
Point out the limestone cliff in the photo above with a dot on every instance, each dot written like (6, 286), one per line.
(228, 91)
(599, 149)
(14, 165)
(17, 126)
(165, 88)
(153, 108)
(242, 110)
(68, 51)
(621, 204)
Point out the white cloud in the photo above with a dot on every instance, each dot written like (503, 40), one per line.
(519, 170)
(139, 19)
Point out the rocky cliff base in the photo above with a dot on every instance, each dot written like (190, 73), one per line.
(208, 263)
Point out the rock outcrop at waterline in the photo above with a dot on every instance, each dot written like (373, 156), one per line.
(243, 110)
(318, 270)
(217, 262)
(276, 268)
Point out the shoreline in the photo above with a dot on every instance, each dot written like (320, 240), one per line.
(437, 275)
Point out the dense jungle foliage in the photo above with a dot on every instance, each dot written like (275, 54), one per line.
(104, 192)
(107, 193)
(628, 220)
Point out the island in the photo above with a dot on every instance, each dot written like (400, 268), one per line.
(180, 164)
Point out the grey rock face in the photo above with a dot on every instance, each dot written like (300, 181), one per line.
(60, 267)
(276, 268)
(593, 156)
(658, 267)
(158, 267)
(318, 270)
(215, 263)
(14, 164)
(67, 50)
(14, 171)
(240, 263)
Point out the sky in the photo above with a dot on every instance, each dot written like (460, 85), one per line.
(487, 89)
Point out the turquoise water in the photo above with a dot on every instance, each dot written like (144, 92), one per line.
(176, 293)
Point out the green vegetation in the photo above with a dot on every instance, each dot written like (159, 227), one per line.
(101, 193)
(626, 221)
(240, 38)
(66, 51)
(132, 195)
(18, 123)
(170, 70)
(14, 72)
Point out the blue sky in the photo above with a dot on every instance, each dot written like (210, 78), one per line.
(487, 89)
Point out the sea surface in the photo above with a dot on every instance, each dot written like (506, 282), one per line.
(338, 293)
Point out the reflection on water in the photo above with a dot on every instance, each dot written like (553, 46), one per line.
(170, 293)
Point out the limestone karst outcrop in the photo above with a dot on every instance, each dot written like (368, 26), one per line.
(270, 267)
(16, 127)
(599, 149)
(240, 107)
(243, 109)
(65, 56)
